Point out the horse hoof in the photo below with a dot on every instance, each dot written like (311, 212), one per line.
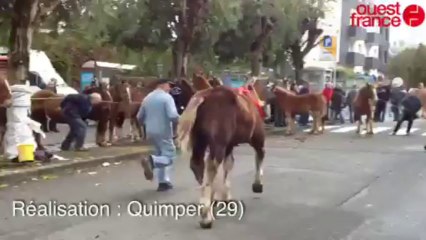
(257, 187)
(204, 224)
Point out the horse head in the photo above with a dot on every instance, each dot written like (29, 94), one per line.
(121, 92)
(5, 93)
(200, 82)
(182, 93)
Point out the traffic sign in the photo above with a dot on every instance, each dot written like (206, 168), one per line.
(327, 41)
(329, 44)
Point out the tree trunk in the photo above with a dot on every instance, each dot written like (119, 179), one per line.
(180, 59)
(20, 40)
(256, 63)
(257, 46)
(297, 59)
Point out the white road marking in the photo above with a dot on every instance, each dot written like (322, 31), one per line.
(325, 128)
(377, 130)
(402, 131)
(344, 129)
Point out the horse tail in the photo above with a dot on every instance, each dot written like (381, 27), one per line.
(186, 123)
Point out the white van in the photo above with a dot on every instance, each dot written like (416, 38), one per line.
(41, 66)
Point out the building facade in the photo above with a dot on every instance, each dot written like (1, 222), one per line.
(365, 50)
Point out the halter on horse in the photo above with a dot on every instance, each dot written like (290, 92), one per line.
(219, 119)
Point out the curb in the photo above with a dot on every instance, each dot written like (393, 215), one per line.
(65, 166)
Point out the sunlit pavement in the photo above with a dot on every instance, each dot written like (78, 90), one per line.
(332, 186)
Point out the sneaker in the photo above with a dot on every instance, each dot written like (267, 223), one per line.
(148, 165)
(162, 187)
(65, 148)
(82, 149)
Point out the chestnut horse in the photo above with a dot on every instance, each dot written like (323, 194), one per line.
(290, 103)
(46, 105)
(5, 101)
(121, 109)
(200, 82)
(364, 104)
(218, 119)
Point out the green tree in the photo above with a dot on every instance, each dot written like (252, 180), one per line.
(399, 65)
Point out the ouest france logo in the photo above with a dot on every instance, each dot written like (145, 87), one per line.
(387, 15)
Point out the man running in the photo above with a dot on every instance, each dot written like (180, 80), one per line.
(158, 113)
(410, 106)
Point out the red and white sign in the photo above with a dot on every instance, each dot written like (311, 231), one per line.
(387, 15)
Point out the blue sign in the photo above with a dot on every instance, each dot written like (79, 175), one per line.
(86, 79)
(327, 41)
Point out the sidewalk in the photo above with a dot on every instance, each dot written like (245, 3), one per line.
(18, 172)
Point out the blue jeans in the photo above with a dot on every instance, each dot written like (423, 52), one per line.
(76, 133)
(163, 157)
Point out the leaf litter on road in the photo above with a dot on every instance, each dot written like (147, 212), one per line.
(49, 177)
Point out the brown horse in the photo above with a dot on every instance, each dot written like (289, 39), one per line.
(364, 104)
(5, 101)
(200, 82)
(218, 119)
(121, 96)
(290, 103)
(46, 105)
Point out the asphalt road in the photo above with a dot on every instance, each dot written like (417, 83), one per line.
(335, 186)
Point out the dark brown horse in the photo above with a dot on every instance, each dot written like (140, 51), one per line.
(364, 104)
(290, 103)
(218, 119)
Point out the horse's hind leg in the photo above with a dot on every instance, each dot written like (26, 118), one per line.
(207, 191)
(314, 129)
(228, 164)
(258, 143)
(290, 123)
(369, 123)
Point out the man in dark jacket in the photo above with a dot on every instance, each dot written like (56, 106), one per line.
(396, 96)
(76, 108)
(410, 106)
(337, 103)
(383, 95)
(350, 101)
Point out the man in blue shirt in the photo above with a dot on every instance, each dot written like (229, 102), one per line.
(76, 108)
(159, 114)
